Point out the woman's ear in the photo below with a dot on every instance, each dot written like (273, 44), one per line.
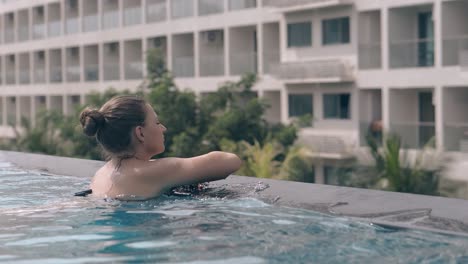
(139, 133)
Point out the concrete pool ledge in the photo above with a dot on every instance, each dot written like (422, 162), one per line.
(389, 209)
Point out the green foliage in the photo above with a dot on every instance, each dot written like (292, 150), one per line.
(398, 173)
(296, 166)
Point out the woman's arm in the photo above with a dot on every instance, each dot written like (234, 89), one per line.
(171, 172)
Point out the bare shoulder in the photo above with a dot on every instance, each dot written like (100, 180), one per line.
(169, 172)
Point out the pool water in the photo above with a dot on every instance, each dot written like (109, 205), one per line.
(42, 222)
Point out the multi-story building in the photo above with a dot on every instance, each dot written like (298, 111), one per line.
(354, 65)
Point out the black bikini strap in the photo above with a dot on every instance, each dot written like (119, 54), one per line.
(84, 193)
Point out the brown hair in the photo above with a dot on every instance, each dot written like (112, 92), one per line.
(113, 123)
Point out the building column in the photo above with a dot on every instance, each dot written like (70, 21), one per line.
(63, 58)
(319, 172)
(32, 101)
(385, 110)
(384, 38)
(284, 105)
(143, 12)
(260, 49)
(144, 51)
(227, 48)
(437, 100)
(121, 13)
(47, 63)
(122, 59)
(18, 110)
(101, 62)
(81, 50)
(169, 51)
(437, 18)
(99, 14)
(283, 38)
(196, 54)
(4, 111)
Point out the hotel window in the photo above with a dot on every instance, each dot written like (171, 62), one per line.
(335, 31)
(300, 34)
(336, 106)
(300, 104)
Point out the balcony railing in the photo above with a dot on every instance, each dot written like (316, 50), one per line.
(73, 73)
(207, 7)
(55, 74)
(212, 65)
(412, 53)
(110, 19)
(54, 28)
(24, 76)
(183, 66)
(456, 136)
(454, 49)
(370, 56)
(90, 23)
(334, 70)
(293, 3)
(9, 35)
(38, 31)
(271, 58)
(111, 72)
(72, 25)
(132, 16)
(414, 135)
(133, 70)
(182, 8)
(241, 4)
(10, 77)
(91, 72)
(39, 75)
(23, 33)
(156, 12)
(243, 62)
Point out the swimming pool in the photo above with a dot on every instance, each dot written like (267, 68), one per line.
(41, 222)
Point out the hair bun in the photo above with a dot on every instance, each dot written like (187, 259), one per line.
(91, 120)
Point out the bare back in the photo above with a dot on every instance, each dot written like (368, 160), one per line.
(139, 179)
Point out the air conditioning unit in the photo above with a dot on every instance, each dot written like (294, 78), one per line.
(11, 58)
(41, 99)
(40, 55)
(158, 42)
(212, 36)
(74, 52)
(11, 17)
(40, 11)
(112, 47)
(72, 4)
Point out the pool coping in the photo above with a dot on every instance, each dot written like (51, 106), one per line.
(389, 209)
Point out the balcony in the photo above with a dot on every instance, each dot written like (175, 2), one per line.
(55, 74)
(414, 135)
(456, 136)
(183, 66)
(370, 56)
(72, 25)
(54, 28)
(111, 72)
(313, 71)
(23, 33)
(9, 35)
(38, 31)
(181, 8)
(454, 49)
(243, 62)
(295, 5)
(271, 58)
(208, 7)
(90, 23)
(10, 77)
(412, 53)
(133, 70)
(91, 72)
(24, 77)
(73, 73)
(242, 4)
(39, 75)
(110, 19)
(132, 16)
(156, 11)
(212, 65)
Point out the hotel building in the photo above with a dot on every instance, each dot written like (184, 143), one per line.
(354, 65)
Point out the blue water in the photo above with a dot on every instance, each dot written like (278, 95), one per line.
(41, 222)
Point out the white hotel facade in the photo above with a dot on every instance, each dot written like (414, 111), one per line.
(352, 64)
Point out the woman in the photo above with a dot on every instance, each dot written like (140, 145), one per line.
(130, 133)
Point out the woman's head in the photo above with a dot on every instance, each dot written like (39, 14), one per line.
(124, 126)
